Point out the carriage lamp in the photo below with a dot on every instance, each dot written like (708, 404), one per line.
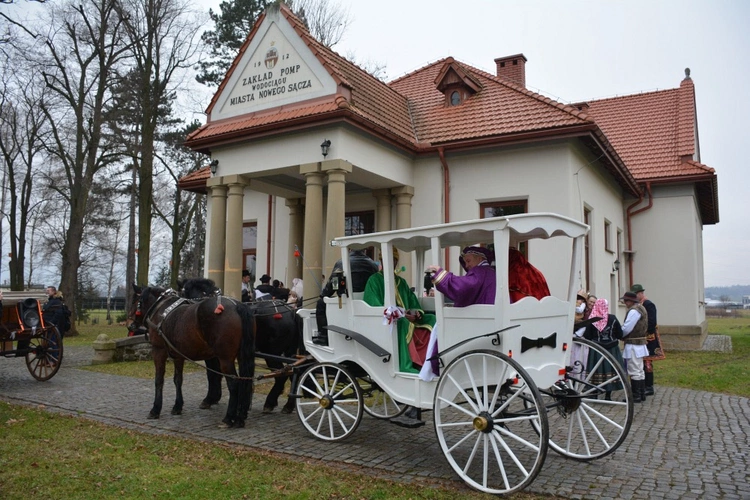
(325, 147)
(214, 164)
(616, 265)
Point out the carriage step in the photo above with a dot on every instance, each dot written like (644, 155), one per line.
(369, 344)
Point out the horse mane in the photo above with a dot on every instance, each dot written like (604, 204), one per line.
(198, 288)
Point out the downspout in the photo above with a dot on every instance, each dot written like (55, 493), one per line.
(630, 232)
(446, 198)
(268, 240)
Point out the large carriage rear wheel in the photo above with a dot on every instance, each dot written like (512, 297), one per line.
(331, 405)
(591, 413)
(45, 354)
(377, 402)
(484, 402)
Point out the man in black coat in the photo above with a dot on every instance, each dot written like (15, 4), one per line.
(265, 285)
(53, 311)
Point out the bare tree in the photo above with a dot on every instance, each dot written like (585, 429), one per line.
(80, 57)
(163, 41)
(182, 206)
(326, 20)
(22, 132)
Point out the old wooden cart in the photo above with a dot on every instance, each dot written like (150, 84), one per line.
(24, 334)
(506, 390)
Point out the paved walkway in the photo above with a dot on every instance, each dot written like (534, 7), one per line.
(683, 444)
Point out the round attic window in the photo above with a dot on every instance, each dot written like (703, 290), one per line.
(455, 98)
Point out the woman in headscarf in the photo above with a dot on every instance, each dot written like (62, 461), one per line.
(607, 332)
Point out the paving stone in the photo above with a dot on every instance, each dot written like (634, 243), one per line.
(682, 444)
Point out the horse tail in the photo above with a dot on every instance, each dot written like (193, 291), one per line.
(247, 343)
(299, 325)
(246, 359)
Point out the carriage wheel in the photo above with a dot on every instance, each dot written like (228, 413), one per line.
(335, 410)
(484, 402)
(377, 402)
(45, 354)
(583, 425)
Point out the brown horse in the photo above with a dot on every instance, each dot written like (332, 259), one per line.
(183, 329)
(278, 335)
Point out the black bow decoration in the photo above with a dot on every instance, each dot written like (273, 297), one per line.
(527, 344)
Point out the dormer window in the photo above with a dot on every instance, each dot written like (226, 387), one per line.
(456, 84)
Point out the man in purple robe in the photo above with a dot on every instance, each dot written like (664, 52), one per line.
(477, 286)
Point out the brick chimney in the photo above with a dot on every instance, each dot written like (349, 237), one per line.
(512, 68)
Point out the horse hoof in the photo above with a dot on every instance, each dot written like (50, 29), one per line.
(153, 416)
(176, 412)
(287, 411)
(267, 409)
(224, 425)
(205, 405)
(239, 424)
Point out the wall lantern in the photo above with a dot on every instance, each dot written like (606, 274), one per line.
(616, 265)
(213, 165)
(324, 147)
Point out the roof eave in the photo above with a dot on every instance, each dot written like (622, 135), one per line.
(707, 187)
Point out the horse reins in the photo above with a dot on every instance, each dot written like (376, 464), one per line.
(170, 309)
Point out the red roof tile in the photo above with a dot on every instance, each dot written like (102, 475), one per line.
(500, 108)
(655, 133)
(195, 181)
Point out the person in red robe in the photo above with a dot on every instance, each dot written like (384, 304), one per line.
(524, 280)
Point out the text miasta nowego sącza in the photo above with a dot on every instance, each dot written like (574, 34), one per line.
(265, 85)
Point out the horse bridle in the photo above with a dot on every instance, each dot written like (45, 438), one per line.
(146, 321)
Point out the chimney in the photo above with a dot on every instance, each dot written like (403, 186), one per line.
(512, 68)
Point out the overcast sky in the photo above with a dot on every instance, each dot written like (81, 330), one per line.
(579, 50)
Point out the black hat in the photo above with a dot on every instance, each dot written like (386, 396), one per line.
(265, 278)
(630, 296)
(245, 272)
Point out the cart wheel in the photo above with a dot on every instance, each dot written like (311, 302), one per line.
(45, 354)
(484, 402)
(583, 424)
(336, 408)
(377, 402)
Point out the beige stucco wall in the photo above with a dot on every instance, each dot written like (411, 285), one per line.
(669, 255)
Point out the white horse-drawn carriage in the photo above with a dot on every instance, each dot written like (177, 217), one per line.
(506, 389)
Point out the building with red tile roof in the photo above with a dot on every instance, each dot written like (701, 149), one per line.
(445, 143)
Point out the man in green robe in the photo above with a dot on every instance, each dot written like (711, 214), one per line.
(413, 329)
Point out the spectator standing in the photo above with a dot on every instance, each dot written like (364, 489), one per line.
(247, 287)
(279, 292)
(265, 287)
(655, 351)
(605, 332)
(53, 311)
(634, 336)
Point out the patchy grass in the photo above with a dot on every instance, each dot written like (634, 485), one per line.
(139, 369)
(726, 373)
(49, 455)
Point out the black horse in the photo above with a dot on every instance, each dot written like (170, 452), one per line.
(183, 329)
(278, 335)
